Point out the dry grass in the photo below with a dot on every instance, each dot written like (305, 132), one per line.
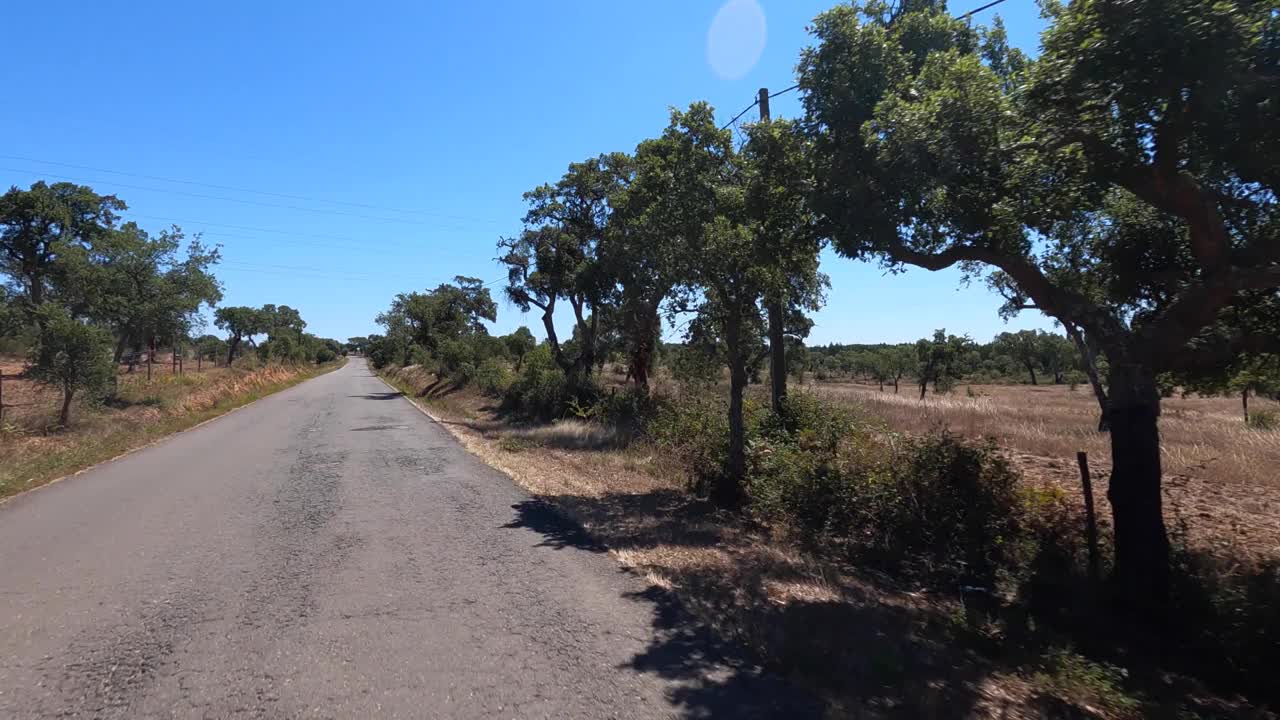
(1202, 437)
(34, 450)
(1220, 478)
(872, 647)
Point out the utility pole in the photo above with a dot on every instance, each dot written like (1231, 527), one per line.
(777, 311)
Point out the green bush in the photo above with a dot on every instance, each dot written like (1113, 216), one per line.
(542, 391)
(492, 378)
(1264, 420)
(934, 505)
(632, 409)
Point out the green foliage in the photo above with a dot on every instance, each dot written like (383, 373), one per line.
(542, 391)
(1069, 675)
(941, 360)
(695, 432)
(519, 344)
(492, 378)
(443, 328)
(43, 228)
(1264, 420)
(71, 355)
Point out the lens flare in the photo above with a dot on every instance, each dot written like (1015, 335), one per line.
(736, 38)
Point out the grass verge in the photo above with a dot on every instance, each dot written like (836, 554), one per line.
(140, 416)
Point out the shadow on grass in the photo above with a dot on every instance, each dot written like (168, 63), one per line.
(728, 644)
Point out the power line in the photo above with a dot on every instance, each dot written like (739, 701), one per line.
(975, 11)
(233, 188)
(225, 199)
(968, 15)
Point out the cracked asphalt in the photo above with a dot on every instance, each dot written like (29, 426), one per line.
(331, 552)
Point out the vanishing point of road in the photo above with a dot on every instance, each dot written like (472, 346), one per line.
(330, 552)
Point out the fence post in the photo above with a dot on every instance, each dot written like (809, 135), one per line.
(1090, 518)
(1, 396)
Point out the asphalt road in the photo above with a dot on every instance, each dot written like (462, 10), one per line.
(331, 552)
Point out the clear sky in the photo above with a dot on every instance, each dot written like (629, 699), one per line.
(343, 152)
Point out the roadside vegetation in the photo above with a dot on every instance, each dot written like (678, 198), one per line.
(905, 531)
(101, 335)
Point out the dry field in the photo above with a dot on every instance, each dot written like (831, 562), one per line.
(34, 450)
(1221, 477)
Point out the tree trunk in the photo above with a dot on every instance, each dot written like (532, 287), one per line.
(232, 348)
(548, 324)
(881, 385)
(1031, 369)
(895, 386)
(777, 353)
(644, 335)
(1141, 573)
(1244, 401)
(1089, 358)
(120, 346)
(924, 387)
(68, 392)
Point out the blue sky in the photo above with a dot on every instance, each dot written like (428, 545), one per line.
(341, 153)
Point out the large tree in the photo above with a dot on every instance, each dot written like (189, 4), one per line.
(39, 225)
(142, 287)
(658, 216)
(1123, 183)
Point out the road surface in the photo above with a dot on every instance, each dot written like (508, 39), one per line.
(331, 552)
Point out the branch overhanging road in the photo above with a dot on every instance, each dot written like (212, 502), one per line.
(331, 552)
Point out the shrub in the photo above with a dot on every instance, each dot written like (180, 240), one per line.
(324, 355)
(1264, 420)
(72, 356)
(932, 505)
(632, 410)
(695, 430)
(492, 378)
(542, 391)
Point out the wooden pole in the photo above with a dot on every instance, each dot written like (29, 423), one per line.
(151, 358)
(199, 360)
(1090, 518)
(777, 313)
(1, 396)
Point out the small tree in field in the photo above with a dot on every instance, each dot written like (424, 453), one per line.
(72, 356)
(939, 360)
(1022, 347)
